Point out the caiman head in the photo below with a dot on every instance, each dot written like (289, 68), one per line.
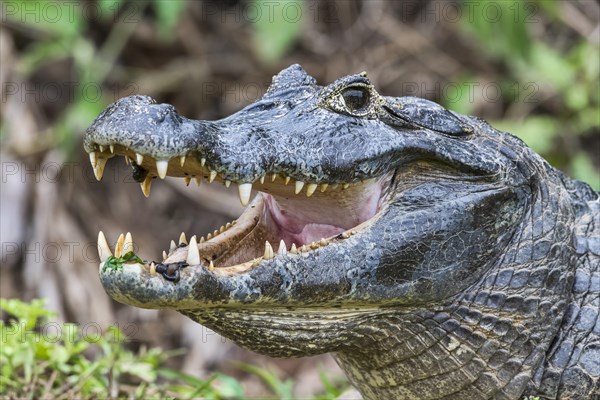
(364, 206)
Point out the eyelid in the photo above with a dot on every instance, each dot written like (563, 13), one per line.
(357, 85)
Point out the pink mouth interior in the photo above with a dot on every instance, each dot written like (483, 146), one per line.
(295, 219)
(301, 221)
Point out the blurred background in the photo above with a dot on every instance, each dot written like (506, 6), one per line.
(529, 67)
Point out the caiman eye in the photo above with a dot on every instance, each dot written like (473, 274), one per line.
(356, 98)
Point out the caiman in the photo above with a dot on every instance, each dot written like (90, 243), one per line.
(433, 255)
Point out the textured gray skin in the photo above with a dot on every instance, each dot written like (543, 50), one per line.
(479, 279)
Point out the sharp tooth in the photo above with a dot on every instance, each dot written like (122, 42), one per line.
(202, 240)
(222, 229)
(227, 183)
(99, 168)
(262, 180)
(268, 251)
(193, 256)
(152, 268)
(287, 180)
(93, 158)
(213, 175)
(181, 161)
(211, 266)
(323, 187)
(198, 180)
(187, 180)
(228, 225)
(112, 148)
(202, 162)
(345, 186)
(103, 249)
(102, 148)
(146, 185)
(215, 232)
(293, 249)
(164, 255)
(273, 177)
(128, 244)
(314, 245)
(161, 168)
(172, 246)
(209, 236)
(299, 186)
(182, 238)
(245, 190)
(119, 246)
(311, 189)
(345, 235)
(323, 242)
(139, 159)
(282, 251)
(303, 249)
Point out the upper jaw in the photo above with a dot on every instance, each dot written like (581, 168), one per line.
(245, 147)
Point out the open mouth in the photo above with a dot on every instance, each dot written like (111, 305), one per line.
(286, 217)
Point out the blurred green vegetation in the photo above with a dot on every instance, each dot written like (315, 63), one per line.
(274, 34)
(542, 72)
(41, 358)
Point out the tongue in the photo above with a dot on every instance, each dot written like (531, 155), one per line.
(302, 220)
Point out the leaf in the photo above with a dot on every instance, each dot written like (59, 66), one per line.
(142, 370)
(61, 19)
(189, 379)
(283, 389)
(116, 263)
(168, 12)
(276, 26)
(500, 27)
(584, 170)
(229, 387)
(538, 132)
(549, 65)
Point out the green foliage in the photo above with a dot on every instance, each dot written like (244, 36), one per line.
(569, 76)
(43, 358)
(283, 390)
(168, 12)
(276, 26)
(332, 389)
(61, 27)
(116, 263)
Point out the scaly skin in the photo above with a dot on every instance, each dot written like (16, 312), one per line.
(473, 273)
